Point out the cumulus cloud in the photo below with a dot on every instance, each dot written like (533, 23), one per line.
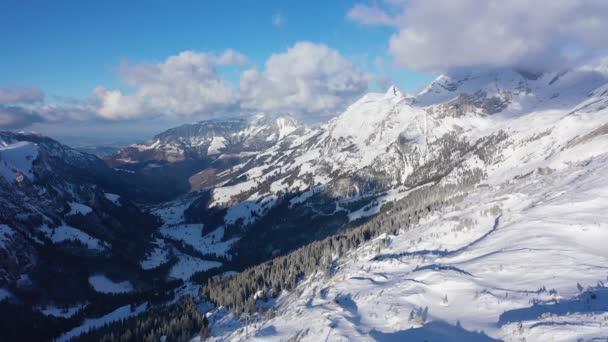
(184, 84)
(371, 15)
(67, 110)
(14, 117)
(114, 105)
(231, 57)
(13, 114)
(439, 35)
(306, 79)
(12, 95)
(19, 116)
(24, 106)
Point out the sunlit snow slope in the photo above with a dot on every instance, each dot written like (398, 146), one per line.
(522, 257)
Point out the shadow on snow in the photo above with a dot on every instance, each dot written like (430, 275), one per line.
(436, 331)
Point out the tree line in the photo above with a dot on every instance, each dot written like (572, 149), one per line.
(241, 292)
(179, 322)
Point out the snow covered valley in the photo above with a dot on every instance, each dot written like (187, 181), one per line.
(476, 210)
(521, 261)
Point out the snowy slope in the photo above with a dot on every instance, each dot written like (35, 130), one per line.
(103, 284)
(121, 313)
(59, 206)
(65, 233)
(386, 141)
(505, 256)
(378, 149)
(16, 159)
(208, 138)
(175, 230)
(522, 257)
(382, 140)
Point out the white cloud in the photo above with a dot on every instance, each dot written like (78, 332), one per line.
(114, 105)
(13, 117)
(231, 57)
(370, 15)
(306, 79)
(14, 95)
(184, 84)
(23, 106)
(67, 110)
(13, 113)
(439, 35)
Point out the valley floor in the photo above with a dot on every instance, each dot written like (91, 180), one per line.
(522, 261)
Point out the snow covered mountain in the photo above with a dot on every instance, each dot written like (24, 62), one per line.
(516, 256)
(517, 260)
(64, 224)
(469, 211)
(171, 162)
(384, 145)
(208, 138)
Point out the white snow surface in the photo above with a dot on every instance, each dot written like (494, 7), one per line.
(188, 265)
(192, 234)
(79, 208)
(103, 284)
(67, 233)
(17, 157)
(6, 235)
(285, 126)
(175, 229)
(370, 134)
(93, 323)
(158, 256)
(505, 264)
(114, 198)
(216, 145)
(64, 312)
(5, 294)
(522, 257)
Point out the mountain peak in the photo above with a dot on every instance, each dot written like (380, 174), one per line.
(393, 91)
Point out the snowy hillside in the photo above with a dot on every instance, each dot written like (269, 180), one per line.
(519, 257)
(17, 160)
(474, 210)
(522, 260)
(385, 144)
(59, 228)
(381, 147)
(208, 138)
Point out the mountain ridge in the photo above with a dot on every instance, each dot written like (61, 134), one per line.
(207, 138)
(273, 188)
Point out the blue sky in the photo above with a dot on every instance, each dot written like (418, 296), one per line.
(68, 47)
(110, 69)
